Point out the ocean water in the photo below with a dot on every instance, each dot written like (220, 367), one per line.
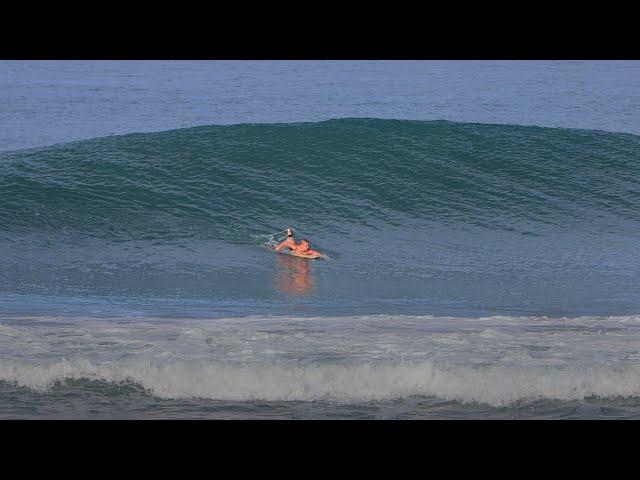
(47, 102)
(481, 222)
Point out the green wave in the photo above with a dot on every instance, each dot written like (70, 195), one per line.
(225, 182)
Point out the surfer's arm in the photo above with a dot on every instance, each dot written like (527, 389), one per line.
(281, 246)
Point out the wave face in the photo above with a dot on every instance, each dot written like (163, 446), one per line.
(225, 181)
(157, 213)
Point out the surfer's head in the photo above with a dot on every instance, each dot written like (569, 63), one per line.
(289, 233)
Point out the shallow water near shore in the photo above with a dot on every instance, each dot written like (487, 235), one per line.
(344, 367)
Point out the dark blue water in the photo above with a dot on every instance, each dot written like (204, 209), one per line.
(49, 102)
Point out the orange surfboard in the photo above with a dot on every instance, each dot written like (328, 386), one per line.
(294, 254)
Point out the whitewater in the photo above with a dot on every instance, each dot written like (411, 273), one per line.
(514, 365)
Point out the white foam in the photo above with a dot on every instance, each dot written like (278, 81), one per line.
(497, 360)
(494, 385)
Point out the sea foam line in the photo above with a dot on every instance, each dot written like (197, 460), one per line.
(493, 385)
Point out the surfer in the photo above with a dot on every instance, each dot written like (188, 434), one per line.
(301, 248)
